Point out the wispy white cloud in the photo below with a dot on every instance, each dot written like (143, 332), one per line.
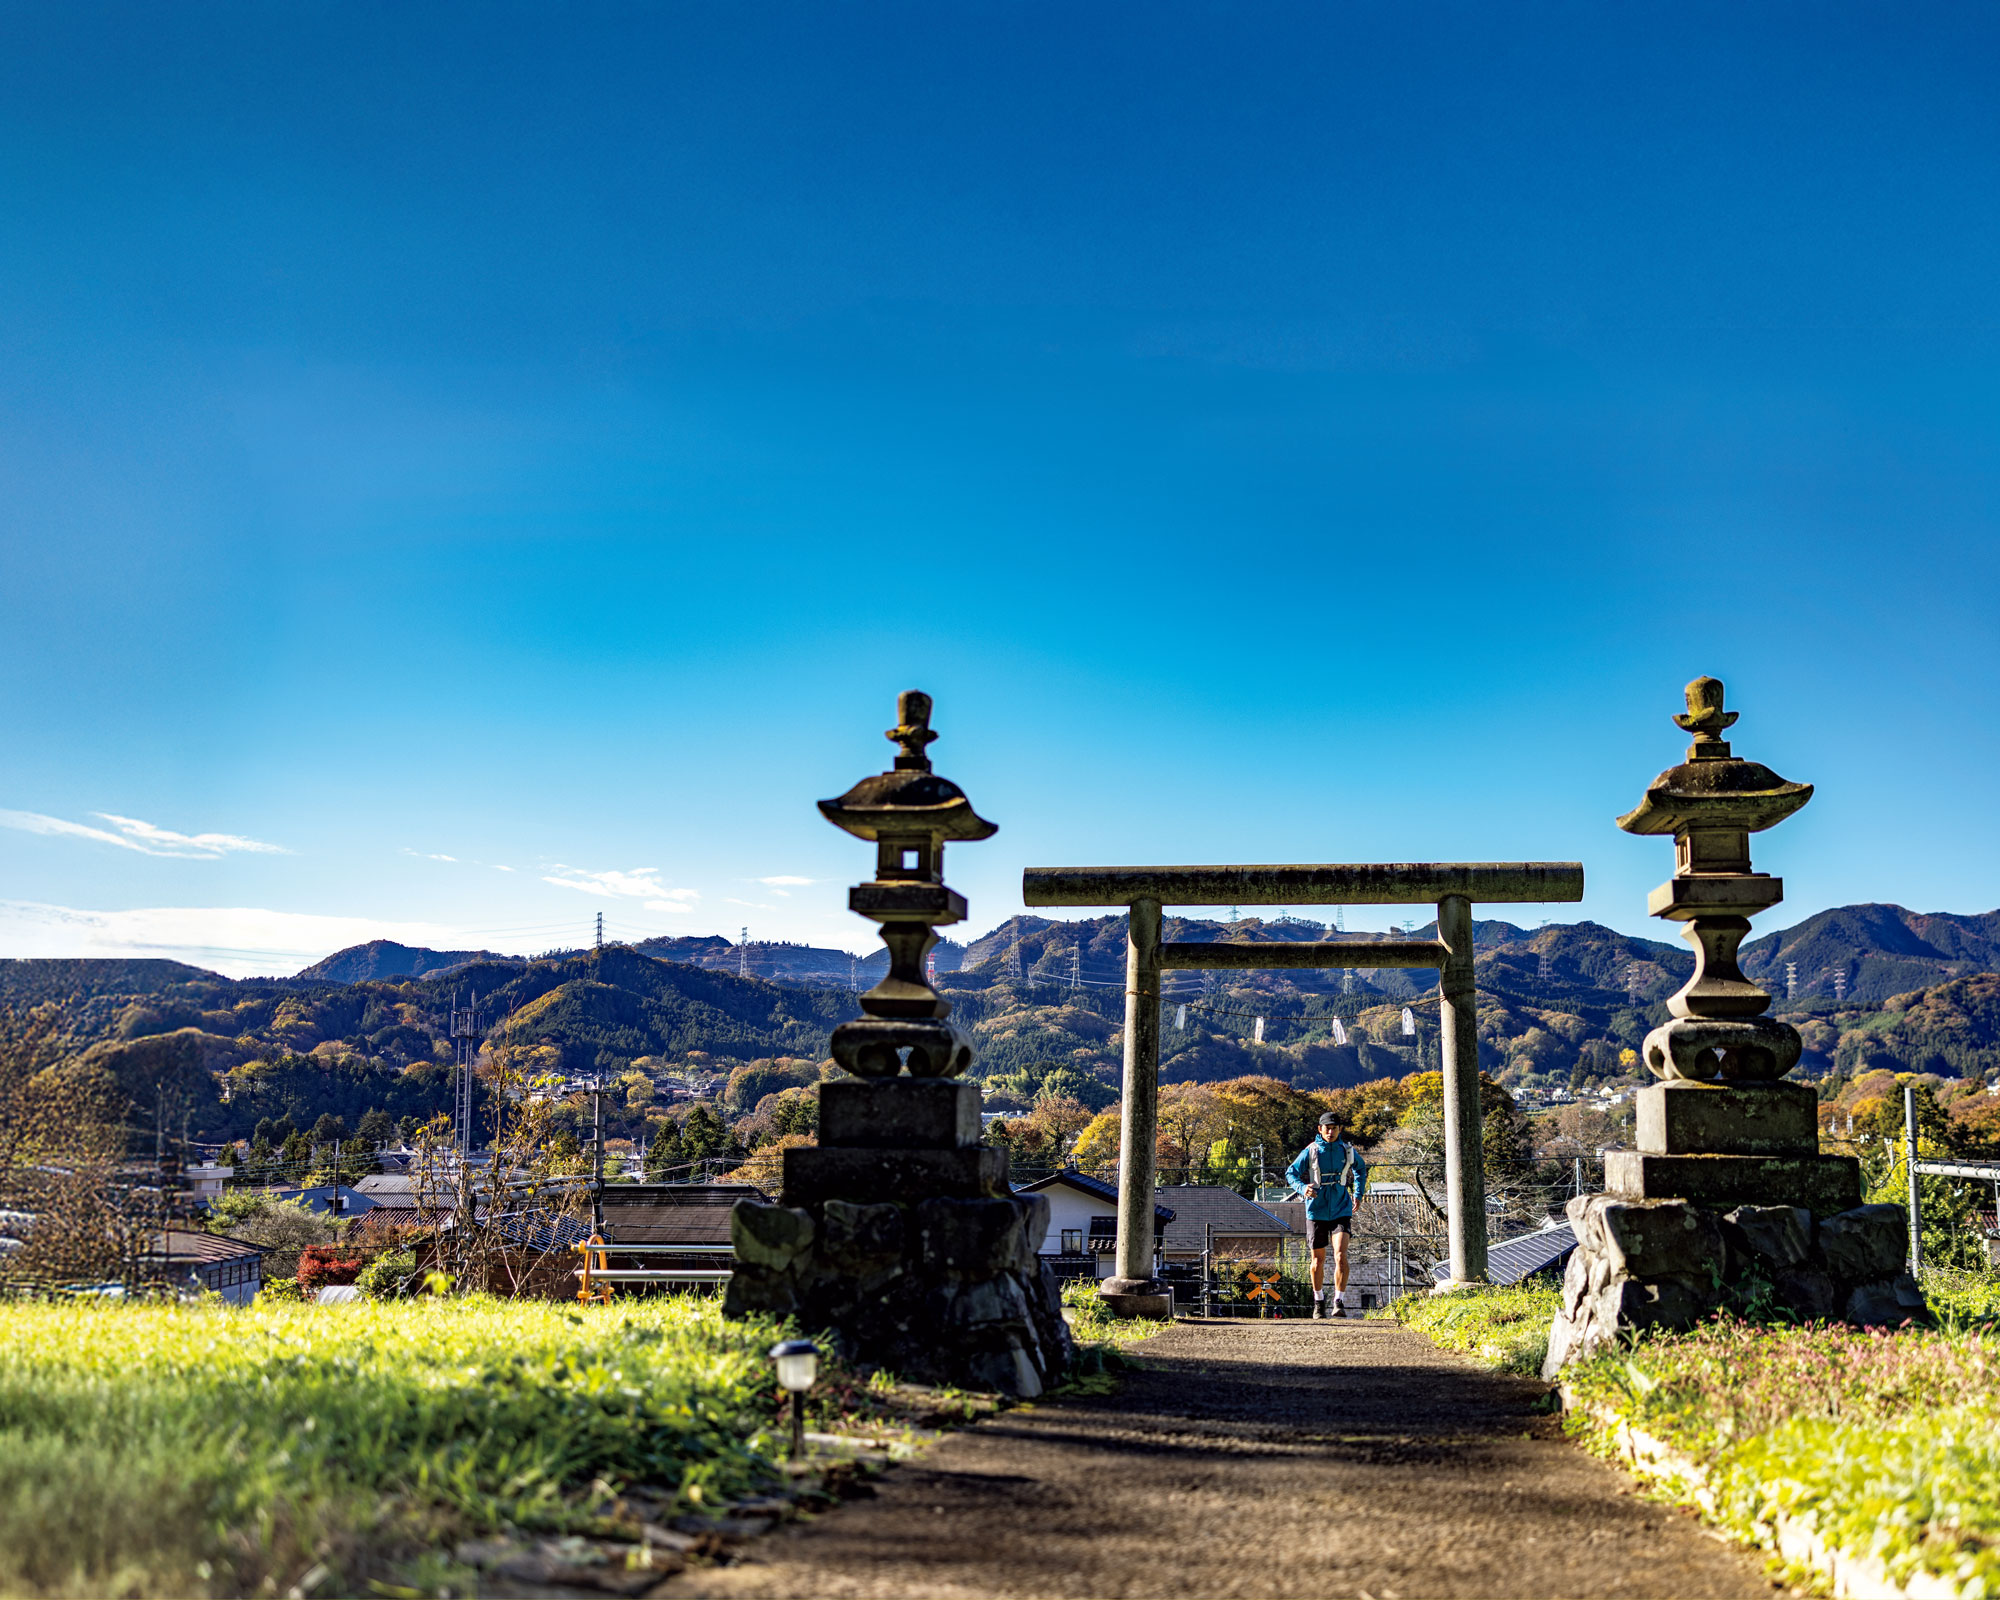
(498, 868)
(239, 941)
(426, 855)
(785, 880)
(754, 905)
(147, 838)
(640, 883)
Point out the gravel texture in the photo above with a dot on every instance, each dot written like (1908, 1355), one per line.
(1260, 1459)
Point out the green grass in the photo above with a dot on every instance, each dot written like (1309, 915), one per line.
(1503, 1328)
(1963, 1300)
(1093, 1325)
(1885, 1444)
(185, 1450)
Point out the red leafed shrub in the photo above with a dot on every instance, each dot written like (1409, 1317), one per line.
(322, 1264)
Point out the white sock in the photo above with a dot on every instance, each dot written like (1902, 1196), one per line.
(1319, 1294)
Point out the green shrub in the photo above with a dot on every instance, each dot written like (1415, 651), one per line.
(389, 1276)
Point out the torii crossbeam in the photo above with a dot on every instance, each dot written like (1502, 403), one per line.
(1450, 886)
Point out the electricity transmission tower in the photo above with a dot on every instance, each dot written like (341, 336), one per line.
(743, 954)
(599, 945)
(1076, 968)
(1839, 986)
(1791, 980)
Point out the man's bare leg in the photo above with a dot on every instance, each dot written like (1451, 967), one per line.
(1319, 1271)
(1339, 1265)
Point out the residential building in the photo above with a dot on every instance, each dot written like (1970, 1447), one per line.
(205, 1261)
(1082, 1241)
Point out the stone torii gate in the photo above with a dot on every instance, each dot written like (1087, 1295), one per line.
(1451, 887)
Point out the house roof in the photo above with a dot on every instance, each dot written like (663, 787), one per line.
(1512, 1260)
(673, 1213)
(199, 1249)
(1096, 1188)
(1197, 1205)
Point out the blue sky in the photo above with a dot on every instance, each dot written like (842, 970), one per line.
(548, 437)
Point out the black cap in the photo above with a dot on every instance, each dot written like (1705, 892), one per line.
(1332, 1119)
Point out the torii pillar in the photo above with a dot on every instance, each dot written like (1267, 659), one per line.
(1451, 887)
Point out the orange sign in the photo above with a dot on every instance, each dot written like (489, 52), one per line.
(1264, 1289)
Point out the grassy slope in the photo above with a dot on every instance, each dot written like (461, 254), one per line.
(184, 1450)
(1507, 1329)
(1885, 1444)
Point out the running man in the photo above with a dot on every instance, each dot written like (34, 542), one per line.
(1331, 1176)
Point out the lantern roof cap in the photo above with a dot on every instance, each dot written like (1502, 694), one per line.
(909, 799)
(1712, 788)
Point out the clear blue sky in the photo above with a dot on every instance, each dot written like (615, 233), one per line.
(547, 436)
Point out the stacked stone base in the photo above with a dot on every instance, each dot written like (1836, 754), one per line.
(1669, 1264)
(899, 1237)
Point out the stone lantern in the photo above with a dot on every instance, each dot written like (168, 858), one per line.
(1727, 1200)
(897, 1232)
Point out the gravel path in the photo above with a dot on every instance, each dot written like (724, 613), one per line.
(1264, 1459)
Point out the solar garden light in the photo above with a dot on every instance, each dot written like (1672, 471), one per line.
(797, 1361)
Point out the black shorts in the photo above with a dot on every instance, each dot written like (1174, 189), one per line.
(1324, 1228)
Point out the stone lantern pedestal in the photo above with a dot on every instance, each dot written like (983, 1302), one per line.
(898, 1233)
(1727, 1200)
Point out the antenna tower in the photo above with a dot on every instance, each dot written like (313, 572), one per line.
(465, 1056)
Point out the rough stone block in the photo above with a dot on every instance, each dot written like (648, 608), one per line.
(1675, 1302)
(1776, 1237)
(996, 1303)
(1887, 1303)
(772, 1237)
(1808, 1293)
(1822, 1184)
(817, 1174)
(758, 1289)
(899, 1114)
(972, 1238)
(1760, 1119)
(863, 1242)
(1647, 1239)
(1865, 1243)
(1008, 1370)
(1035, 1224)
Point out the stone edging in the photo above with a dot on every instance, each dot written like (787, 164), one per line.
(1851, 1577)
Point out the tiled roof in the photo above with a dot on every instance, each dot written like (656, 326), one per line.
(673, 1213)
(180, 1244)
(1196, 1205)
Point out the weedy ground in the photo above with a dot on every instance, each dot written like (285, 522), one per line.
(182, 1450)
(1885, 1443)
(1503, 1328)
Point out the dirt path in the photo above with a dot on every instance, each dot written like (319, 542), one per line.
(1268, 1459)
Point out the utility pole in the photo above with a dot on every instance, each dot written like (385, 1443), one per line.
(597, 1155)
(1910, 1161)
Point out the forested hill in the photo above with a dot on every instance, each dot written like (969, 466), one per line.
(1562, 1003)
(1879, 950)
